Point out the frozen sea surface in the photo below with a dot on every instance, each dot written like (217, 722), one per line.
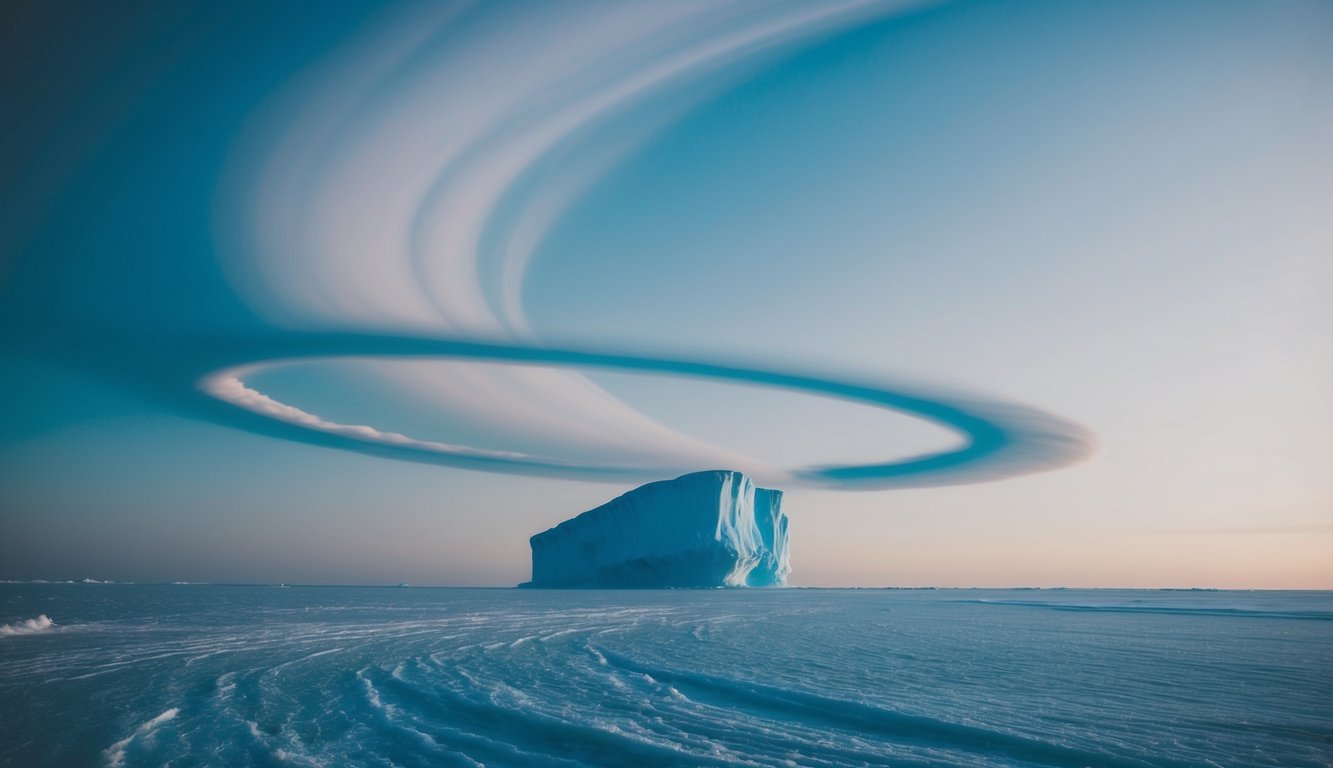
(319, 676)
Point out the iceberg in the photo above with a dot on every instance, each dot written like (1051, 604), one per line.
(704, 529)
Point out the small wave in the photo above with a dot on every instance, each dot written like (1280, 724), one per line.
(27, 626)
(115, 754)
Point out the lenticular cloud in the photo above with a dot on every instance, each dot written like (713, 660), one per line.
(398, 189)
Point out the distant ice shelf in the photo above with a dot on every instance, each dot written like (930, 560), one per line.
(705, 529)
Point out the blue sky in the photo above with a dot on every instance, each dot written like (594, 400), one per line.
(1102, 230)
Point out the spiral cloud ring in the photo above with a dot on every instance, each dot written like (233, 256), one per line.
(385, 208)
(999, 438)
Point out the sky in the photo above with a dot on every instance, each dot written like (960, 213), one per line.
(1000, 294)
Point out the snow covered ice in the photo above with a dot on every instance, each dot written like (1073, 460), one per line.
(705, 529)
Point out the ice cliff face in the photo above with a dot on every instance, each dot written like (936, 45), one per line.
(705, 529)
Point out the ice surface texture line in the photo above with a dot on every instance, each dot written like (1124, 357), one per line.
(665, 678)
(704, 529)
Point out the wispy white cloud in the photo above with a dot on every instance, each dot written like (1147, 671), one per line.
(1305, 529)
(228, 387)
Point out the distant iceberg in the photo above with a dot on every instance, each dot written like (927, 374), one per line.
(706, 529)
